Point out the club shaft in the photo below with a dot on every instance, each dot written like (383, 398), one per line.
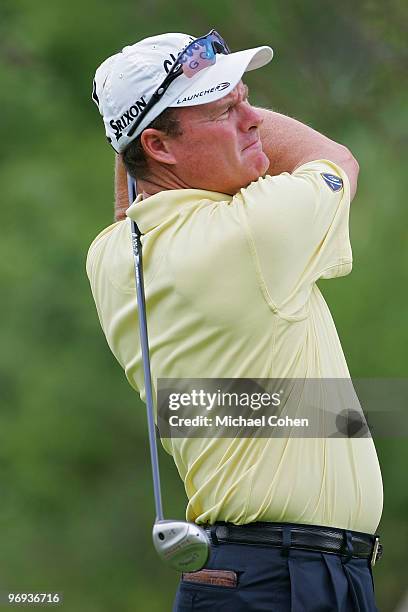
(144, 342)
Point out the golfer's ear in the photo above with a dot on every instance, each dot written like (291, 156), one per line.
(156, 145)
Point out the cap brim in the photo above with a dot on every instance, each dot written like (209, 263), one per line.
(218, 80)
(210, 84)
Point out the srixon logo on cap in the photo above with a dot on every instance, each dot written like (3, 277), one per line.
(118, 125)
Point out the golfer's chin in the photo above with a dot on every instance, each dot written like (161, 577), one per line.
(263, 163)
(257, 165)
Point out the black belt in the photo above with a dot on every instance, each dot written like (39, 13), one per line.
(303, 537)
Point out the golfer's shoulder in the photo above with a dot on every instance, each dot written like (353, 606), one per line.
(318, 180)
(110, 246)
(325, 176)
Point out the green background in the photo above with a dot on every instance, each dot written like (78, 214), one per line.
(76, 498)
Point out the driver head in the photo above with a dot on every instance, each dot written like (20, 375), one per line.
(183, 546)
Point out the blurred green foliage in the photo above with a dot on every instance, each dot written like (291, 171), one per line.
(77, 507)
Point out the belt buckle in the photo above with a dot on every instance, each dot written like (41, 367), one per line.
(375, 551)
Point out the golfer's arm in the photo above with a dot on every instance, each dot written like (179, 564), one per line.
(121, 191)
(289, 144)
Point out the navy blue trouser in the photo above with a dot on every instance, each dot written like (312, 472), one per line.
(302, 581)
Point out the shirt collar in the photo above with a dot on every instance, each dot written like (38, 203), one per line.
(154, 210)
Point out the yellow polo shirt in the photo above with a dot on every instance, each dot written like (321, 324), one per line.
(231, 293)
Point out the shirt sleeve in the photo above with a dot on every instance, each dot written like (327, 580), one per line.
(297, 227)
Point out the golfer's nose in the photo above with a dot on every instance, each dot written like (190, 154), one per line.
(250, 117)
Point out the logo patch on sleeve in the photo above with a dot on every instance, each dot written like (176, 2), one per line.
(334, 182)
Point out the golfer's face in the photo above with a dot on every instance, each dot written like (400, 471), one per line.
(220, 148)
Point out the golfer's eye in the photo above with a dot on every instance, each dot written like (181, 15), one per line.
(226, 112)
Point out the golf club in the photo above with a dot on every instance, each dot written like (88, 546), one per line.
(182, 545)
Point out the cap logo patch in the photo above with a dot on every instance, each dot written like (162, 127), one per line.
(333, 181)
(168, 63)
(118, 125)
(205, 92)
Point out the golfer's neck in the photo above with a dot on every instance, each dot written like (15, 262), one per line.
(161, 180)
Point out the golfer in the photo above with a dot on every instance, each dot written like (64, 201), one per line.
(242, 210)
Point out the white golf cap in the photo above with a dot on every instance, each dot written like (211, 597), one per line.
(125, 82)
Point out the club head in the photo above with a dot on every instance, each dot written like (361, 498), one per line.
(183, 546)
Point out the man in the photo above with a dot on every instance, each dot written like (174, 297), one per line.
(242, 210)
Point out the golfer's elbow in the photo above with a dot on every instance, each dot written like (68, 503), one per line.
(351, 167)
